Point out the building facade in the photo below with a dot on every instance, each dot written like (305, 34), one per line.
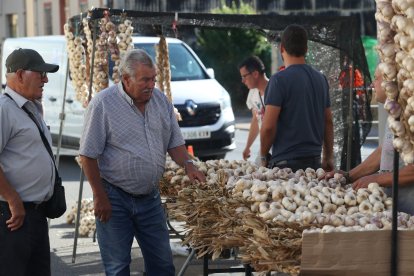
(39, 17)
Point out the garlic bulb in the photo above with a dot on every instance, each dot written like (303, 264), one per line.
(389, 70)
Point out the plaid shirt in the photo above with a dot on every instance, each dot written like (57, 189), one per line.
(130, 146)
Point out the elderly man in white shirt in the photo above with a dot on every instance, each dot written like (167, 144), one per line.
(27, 171)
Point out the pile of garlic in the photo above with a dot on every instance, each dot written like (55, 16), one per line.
(301, 197)
(125, 36)
(279, 195)
(77, 65)
(395, 20)
(113, 49)
(163, 65)
(375, 221)
(87, 224)
(175, 179)
(164, 72)
(112, 41)
(100, 69)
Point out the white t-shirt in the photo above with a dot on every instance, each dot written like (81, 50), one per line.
(254, 103)
(405, 193)
(387, 152)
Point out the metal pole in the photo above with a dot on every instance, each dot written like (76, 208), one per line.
(350, 116)
(81, 173)
(62, 117)
(394, 230)
(75, 241)
(186, 263)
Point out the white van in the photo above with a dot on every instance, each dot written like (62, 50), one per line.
(205, 106)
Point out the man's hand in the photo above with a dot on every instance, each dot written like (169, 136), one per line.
(363, 182)
(264, 162)
(330, 174)
(17, 214)
(328, 165)
(193, 173)
(102, 207)
(246, 153)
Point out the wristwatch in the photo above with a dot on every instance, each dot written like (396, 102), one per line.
(346, 175)
(263, 158)
(189, 161)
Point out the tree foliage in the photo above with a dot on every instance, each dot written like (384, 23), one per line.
(224, 49)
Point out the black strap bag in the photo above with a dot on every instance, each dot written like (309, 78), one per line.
(56, 205)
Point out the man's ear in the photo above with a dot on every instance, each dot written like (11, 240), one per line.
(126, 80)
(19, 75)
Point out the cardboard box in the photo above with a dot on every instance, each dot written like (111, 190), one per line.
(356, 253)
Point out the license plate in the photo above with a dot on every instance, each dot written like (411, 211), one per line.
(197, 134)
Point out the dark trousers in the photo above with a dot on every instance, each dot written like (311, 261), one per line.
(299, 163)
(25, 251)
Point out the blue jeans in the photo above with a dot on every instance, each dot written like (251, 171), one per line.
(143, 218)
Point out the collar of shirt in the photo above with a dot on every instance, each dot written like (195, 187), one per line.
(21, 101)
(124, 94)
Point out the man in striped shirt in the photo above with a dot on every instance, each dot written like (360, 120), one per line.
(128, 129)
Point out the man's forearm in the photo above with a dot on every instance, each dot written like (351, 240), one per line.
(91, 169)
(253, 132)
(179, 155)
(405, 177)
(328, 136)
(269, 128)
(368, 166)
(266, 140)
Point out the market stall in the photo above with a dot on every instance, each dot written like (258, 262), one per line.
(262, 212)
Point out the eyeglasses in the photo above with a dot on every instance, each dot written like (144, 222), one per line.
(42, 74)
(243, 77)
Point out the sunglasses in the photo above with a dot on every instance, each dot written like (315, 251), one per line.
(42, 74)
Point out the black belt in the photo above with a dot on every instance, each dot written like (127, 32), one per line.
(300, 159)
(27, 205)
(130, 194)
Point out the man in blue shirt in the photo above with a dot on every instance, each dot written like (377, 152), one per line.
(298, 118)
(129, 127)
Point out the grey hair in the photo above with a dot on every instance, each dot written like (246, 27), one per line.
(131, 60)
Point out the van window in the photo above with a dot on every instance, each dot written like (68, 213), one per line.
(183, 65)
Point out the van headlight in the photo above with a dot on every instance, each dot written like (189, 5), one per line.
(225, 101)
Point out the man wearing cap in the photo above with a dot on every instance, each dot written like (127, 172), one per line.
(27, 170)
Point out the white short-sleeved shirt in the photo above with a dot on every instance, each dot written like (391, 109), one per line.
(254, 103)
(24, 159)
(387, 152)
(406, 193)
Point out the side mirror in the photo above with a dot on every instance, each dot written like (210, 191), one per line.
(210, 72)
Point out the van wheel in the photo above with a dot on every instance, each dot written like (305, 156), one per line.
(212, 157)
